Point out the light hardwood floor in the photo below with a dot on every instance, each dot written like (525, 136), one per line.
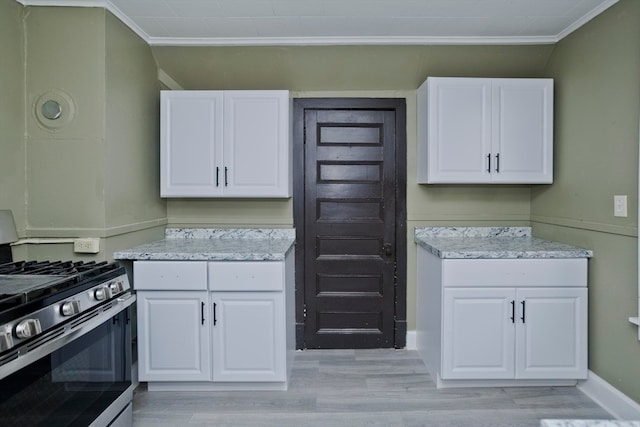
(334, 388)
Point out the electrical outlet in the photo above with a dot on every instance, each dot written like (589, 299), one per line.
(620, 206)
(86, 245)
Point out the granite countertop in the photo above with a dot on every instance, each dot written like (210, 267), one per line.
(588, 423)
(212, 244)
(492, 242)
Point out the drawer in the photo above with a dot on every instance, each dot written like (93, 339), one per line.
(515, 272)
(170, 275)
(246, 276)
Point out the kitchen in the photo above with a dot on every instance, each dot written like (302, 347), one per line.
(99, 177)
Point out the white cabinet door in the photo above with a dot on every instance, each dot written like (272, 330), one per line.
(173, 336)
(458, 130)
(522, 130)
(248, 336)
(190, 143)
(478, 333)
(256, 144)
(551, 338)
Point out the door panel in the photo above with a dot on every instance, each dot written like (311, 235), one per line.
(478, 333)
(349, 217)
(552, 333)
(248, 336)
(173, 336)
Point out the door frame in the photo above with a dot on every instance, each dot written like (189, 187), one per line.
(399, 106)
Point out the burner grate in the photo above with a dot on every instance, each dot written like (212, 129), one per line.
(53, 268)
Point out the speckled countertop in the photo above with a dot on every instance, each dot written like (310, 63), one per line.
(492, 242)
(213, 244)
(588, 423)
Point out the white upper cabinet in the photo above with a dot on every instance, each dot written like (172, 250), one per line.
(225, 144)
(477, 130)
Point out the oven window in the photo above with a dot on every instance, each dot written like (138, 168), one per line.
(73, 385)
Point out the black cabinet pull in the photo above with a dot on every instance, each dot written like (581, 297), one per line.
(513, 311)
(214, 315)
(226, 169)
(523, 305)
(498, 163)
(202, 312)
(489, 163)
(217, 176)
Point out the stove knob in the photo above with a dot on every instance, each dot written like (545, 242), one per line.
(28, 328)
(70, 308)
(6, 341)
(116, 287)
(102, 293)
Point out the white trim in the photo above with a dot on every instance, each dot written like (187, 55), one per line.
(168, 81)
(411, 341)
(67, 3)
(127, 21)
(339, 41)
(586, 18)
(610, 398)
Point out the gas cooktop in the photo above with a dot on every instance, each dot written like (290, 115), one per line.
(38, 296)
(24, 281)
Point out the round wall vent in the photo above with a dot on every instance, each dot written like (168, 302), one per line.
(54, 109)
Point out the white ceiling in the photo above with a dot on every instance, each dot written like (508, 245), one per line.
(331, 22)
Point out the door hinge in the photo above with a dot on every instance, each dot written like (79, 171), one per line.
(304, 311)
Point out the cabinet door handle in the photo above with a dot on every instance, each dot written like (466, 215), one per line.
(202, 312)
(513, 311)
(498, 163)
(523, 306)
(489, 163)
(226, 169)
(215, 320)
(217, 176)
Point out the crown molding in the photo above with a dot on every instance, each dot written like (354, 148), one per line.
(333, 41)
(586, 18)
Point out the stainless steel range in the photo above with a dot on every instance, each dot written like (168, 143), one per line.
(65, 344)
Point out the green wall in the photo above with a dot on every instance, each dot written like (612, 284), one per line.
(12, 149)
(96, 176)
(597, 76)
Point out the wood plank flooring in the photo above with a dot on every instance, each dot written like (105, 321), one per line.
(351, 388)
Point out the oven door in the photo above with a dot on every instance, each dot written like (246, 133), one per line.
(79, 378)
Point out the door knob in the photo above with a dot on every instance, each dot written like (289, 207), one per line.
(388, 249)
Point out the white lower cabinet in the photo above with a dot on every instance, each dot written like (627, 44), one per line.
(511, 333)
(237, 332)
(502, 322)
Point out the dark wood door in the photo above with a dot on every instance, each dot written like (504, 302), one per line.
(350, 226)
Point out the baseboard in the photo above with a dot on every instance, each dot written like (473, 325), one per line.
(411, 340)
(610, 398)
